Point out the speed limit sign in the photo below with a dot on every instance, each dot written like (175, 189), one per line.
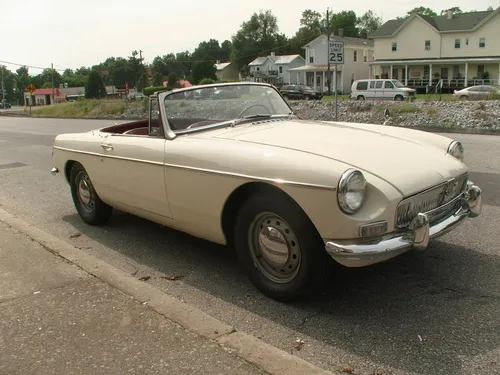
(336, 52)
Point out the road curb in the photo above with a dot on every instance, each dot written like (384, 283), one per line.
(252, 350)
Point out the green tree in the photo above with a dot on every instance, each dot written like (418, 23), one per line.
(172, 80)
(23, 79)
(95, 87)
(311, 26)
(423, 11)
(9, 81)
(204, 68)
(345, 20)
(368, 23)
(256, 37)
(455, 10)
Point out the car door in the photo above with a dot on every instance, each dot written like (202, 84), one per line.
(134, 168)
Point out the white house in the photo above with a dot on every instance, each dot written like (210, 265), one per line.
(227, 71)
(461, 49)
(358, 53)
(274, 68)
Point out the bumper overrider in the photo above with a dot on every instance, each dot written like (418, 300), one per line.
(416, 236)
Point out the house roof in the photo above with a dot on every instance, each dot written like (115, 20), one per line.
(222, 66)
(46, 92)
(345, 39)
(277, 59)
(284, 59)
(459, 22)
(258, 61)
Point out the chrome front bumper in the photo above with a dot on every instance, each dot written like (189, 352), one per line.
(416, 236)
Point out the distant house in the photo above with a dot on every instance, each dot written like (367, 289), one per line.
(274, 69)
(43, 97)
(227, 71)
(459, 49)
(358, 52)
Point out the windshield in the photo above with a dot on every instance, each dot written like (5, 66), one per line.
(203, 107)
(398, 84)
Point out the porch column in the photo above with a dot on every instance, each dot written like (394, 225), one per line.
(406, 75)
(466, 73)
(314, 80)
(323, 82)
(369, 71)
(305, 78)
(297, 78)
(390, 72)
(430, 74)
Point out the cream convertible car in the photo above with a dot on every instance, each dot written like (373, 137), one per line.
(288, 194)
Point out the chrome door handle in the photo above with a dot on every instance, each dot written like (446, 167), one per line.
(106, 146)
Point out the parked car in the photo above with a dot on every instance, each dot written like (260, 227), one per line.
(381, 89)
(5, 105)
(477, 92)
(293, 197)
(136, 95)
(300, 92)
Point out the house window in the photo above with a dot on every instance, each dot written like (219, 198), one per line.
(311, 56)
(482, 42)
(457, 43)
(355, 55)
(281, 69)
(394, 46)
(428, 45)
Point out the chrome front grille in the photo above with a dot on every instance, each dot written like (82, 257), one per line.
(437, 199)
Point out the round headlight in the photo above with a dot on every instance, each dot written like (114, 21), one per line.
(351, 191)
(457, 150)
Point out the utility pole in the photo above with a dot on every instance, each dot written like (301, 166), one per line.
(53, 95)
(328, 75)
(142, 66)
(3, 86)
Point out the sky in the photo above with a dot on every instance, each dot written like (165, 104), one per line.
(71, 34)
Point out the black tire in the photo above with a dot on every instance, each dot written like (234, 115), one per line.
(399, 98)
(304, 243)
(95, 212)
(361, 97)
(307, 97)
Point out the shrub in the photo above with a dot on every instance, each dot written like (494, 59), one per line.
(148, 91)
(207, 81)
(95, 87)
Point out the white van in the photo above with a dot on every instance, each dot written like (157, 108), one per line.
(381, 89)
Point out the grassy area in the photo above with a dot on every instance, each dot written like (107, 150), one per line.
(328, 98)
(81, 108)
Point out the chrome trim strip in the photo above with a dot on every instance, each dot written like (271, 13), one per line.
(204, 170)
(109, 156)
(250, 177)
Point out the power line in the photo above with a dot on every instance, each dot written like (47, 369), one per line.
(28, 66)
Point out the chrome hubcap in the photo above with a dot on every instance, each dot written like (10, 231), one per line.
(274, 248)
(85, 194)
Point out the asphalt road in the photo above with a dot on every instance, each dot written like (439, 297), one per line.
(432, 312)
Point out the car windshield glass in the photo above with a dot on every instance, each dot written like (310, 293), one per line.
(398, 84)
(307, 88)
(204, 107)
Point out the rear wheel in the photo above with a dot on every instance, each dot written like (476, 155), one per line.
(307, 97)
(279, 248)
(90, 207)
(361, 97)
(399, 98)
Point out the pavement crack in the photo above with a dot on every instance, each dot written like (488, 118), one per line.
(307, 318)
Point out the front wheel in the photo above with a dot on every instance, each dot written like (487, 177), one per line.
(90, 207)
(279, 248)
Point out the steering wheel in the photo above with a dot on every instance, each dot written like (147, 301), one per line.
(254, 105)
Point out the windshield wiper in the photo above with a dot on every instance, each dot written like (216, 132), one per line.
(256, 116)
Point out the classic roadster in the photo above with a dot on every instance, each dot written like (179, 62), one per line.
(293, 197)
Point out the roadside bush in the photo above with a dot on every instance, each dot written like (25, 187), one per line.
(207, 81)
(148, 91)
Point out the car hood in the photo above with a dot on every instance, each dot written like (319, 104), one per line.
(408, 165)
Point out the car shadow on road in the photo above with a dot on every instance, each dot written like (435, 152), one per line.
(422, 312)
